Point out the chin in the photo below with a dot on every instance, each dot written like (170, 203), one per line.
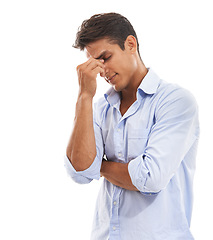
(117, 88)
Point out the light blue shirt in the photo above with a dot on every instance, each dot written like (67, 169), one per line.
(158, 136)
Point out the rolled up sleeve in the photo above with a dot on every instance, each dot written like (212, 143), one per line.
(171, 137)
(85, 176)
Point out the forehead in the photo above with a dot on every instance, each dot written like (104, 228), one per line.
(95, 49)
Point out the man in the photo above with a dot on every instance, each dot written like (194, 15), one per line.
(141, 137)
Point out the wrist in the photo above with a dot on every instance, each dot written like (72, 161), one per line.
(84, 106)
(84, 96)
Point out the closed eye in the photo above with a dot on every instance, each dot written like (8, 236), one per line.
(106, 59)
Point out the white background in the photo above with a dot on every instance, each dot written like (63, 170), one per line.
(38, 90)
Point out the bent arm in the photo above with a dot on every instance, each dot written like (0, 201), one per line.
(81, 149)
(171, 137)
(117, 174)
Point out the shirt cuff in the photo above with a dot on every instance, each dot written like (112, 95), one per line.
(85, 176)
(139, 173)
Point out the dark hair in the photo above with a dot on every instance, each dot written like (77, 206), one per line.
(113, 26)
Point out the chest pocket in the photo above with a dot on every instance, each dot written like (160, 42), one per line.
(137, 141)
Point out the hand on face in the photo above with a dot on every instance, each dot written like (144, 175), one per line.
(87, 74)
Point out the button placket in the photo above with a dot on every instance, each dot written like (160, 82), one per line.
(119, 141)
(114, 222)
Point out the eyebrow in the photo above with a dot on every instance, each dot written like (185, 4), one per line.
(102, 54)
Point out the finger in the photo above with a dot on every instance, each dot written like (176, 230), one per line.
(90, 65)
(84, 65)
(98, 70)
(103, 74)
(96, 63)
(87, 63)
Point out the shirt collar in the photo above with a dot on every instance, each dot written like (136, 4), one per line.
(112, 97)
(149, 85)
(150, 82)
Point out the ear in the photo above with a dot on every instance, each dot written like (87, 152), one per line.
(131, 44)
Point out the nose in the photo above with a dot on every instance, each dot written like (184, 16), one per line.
(106, 71)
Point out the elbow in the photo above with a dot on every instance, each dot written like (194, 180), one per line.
(148, 178)
(80, 161)
(68, 154)
(70, 158)
(155, 184)
(154, 188)
(151, 185)
(77, 177)
(81, 180)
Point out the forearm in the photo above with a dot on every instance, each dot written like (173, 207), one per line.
(81, 149)
(117, 174)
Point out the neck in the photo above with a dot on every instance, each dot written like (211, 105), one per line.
(129, 94)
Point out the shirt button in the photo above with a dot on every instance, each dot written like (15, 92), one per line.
(114, 202)
(119, 154)
(114, 228)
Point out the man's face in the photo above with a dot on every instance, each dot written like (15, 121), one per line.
(120, 65)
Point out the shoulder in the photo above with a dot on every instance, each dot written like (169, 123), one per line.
(174, 101)
(175, 95)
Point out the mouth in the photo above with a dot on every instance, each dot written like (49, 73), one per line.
(110, 79)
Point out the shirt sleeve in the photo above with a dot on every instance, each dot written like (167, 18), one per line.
(93, 172)
(175, 130)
